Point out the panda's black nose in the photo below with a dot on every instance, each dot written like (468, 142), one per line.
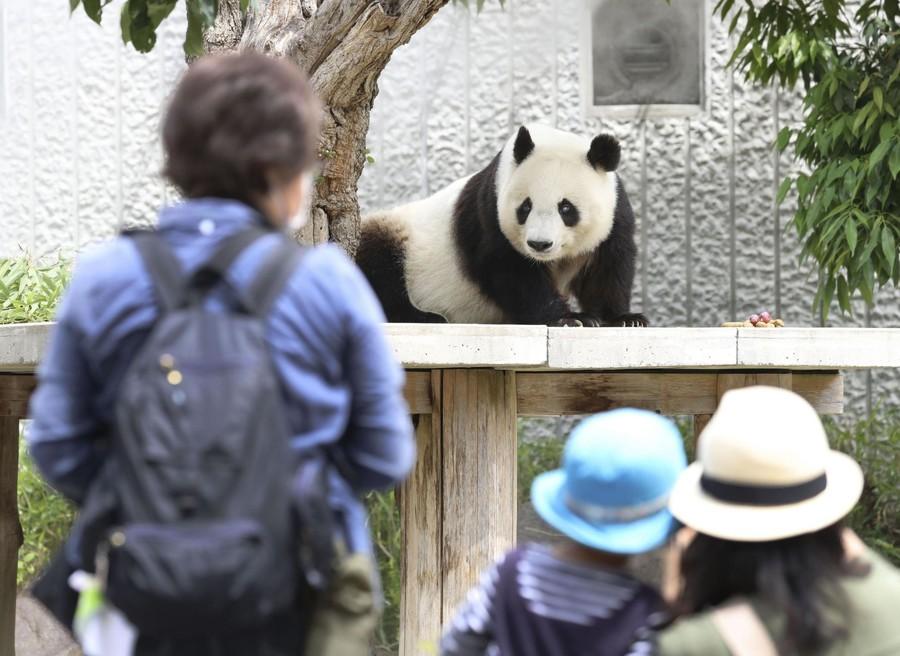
(540, 246)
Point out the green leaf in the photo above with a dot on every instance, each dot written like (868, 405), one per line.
(783, 189)
(851, 234)
(843, 295)
(784, 135)
(878, 96)
(245, 5)
(94, 10)
(879, 154)
(193, 39)
(125, 22)
(894, 163)
(863, 86)
(889, 247)
(73, 5)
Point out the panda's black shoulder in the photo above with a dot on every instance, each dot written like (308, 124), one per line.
(476, 227)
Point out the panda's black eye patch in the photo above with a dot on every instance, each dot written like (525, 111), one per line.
(523, 211)
(568, 212)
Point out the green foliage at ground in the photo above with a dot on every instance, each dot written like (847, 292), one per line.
(875, 444)
(29, 290)
(46, 518)
(846, 56)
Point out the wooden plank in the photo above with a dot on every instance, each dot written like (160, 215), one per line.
(17, 387)
(479, 476)
(824, 391)
(465, 345)
(640, 348)
(730, 381)
(819, 348)
(418, 391)
(541, 393)
(700, 422)
(420, 511)
(696, 393)
(10, 530)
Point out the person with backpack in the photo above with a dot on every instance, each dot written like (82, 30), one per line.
(216, 398)
(575, 598)
(765, 566)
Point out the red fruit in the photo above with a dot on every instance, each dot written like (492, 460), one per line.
(765, 316)
(754, 319)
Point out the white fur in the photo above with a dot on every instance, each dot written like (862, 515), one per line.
(556, 169)
(435, 279)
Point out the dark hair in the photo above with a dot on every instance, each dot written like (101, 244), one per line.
(799, 576)
(234, 121)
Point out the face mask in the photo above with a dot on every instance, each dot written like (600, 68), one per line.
(302, 216)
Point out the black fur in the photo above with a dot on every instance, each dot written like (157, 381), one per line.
(603, 287)
(604, 152)
(381, 257)
(524, 145)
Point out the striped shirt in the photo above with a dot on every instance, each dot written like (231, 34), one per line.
(531, 603)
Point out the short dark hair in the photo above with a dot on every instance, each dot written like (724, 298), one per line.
(799, 576)
(236, 119)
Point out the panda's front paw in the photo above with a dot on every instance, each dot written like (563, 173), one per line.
(578, 320)
(567, 322)
(630, 321)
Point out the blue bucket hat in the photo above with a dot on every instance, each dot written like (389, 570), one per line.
(612, 492)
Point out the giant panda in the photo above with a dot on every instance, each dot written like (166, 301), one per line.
(543, 235)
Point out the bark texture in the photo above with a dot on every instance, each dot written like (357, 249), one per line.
(343, 45)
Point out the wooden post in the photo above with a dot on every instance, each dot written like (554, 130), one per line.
(479, 476)
(420, 511)
(10, 530)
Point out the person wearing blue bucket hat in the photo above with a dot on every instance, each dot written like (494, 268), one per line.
(610, 500)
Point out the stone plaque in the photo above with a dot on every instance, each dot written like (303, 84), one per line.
(644, 57)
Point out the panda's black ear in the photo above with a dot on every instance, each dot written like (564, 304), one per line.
(604, 152)
(523, 146)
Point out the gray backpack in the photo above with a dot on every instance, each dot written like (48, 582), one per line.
(204, 538)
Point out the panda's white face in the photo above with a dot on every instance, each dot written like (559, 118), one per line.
(553, 204)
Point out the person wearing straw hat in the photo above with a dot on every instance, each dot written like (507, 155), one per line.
(609, 499)
(766, 566)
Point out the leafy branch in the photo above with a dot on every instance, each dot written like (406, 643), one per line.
(848, 203)
(140, 19)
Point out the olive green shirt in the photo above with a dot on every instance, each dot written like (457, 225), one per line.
(873, 623)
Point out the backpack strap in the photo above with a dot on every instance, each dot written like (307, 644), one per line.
(216, 267)
(163, 267)
(268, 283)
(742, 631)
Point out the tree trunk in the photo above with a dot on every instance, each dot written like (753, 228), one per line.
(343, 45)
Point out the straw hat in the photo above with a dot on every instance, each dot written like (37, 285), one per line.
(611, 492)
(765, 471)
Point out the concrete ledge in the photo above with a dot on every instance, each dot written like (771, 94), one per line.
(641, 348)
(22, 346)
(430, 346)
(443, 346)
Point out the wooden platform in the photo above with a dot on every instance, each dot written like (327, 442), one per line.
(467, 384)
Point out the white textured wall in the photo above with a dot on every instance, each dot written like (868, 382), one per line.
(80, 152)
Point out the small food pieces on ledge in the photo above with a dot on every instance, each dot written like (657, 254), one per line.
(761, 320)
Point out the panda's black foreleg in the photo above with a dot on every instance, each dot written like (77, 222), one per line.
(604, 286)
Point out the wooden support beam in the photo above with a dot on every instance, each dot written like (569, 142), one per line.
(421, 583)
(10, 530)
(479, 476)
(419, 391)
(695, 393)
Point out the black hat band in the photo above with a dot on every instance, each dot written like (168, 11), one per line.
(762, 495)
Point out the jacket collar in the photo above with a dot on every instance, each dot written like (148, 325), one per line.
(190, 214)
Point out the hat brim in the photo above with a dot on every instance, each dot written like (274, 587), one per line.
(749, 523)
(631, 537)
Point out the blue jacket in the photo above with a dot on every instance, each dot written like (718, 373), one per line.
(341, 383)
